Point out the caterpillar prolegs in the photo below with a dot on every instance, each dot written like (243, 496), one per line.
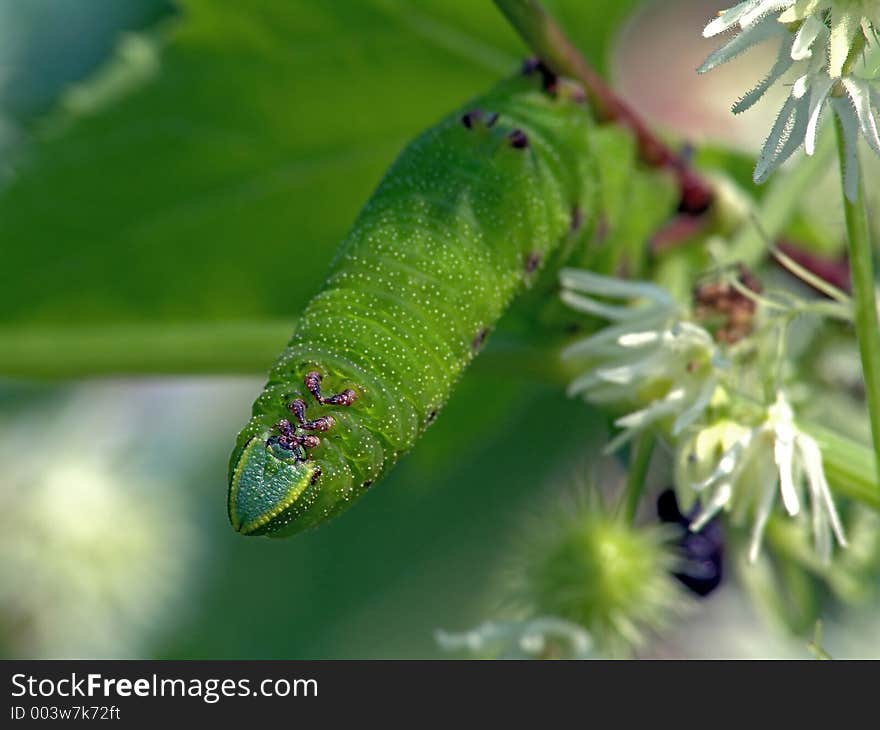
(459, 224)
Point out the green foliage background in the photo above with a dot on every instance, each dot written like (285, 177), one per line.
(220, 188)
(213, 193)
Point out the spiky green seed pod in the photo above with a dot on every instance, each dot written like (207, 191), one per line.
(595, 569)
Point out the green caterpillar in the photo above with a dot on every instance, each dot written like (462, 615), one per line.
(459, 225)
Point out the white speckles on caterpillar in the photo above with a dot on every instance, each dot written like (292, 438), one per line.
(459, 225)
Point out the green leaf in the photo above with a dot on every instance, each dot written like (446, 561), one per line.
(219, 188)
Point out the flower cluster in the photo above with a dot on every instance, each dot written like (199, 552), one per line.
(820, 43)
(96, 559)
(545, 637)
(649, 354)
(731, 466)
(735, 451)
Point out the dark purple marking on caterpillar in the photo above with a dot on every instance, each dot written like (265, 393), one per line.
(577, 218)
(289, 440)
(316, 475)
(367, 483)
(313, 385)
(469, 118)
(293, 442)
(475, 117)
(298, 408)
(430, 419)
(533, 261)
(602, 228)
(518, 139)
(479, 339)
(532, 65)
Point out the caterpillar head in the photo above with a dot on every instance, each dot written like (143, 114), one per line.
(283, 477)
(267, 492)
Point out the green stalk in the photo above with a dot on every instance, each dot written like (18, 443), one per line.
(640, 459)
(851, 467)
(80, 351)
(750, 244)
(864, 296)
(212, 348)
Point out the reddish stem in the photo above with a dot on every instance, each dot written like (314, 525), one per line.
(559, 55)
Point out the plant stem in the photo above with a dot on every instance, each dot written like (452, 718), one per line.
(141, 349)
(640, 459)
(559, 55)
(751, 243)
(864, 295)
(213, 348)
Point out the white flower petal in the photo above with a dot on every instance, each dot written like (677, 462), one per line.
(818, 96)
(612, 287)
(639, 339)
(801, 9)
(750, 98)
(821, 533)
(800, 86)
(728, 18)
(646, 416)
(783, 453)
(691, 333)
(582, 383)
(753, 35)
(602, 342)
(622, 438)
(844, 26)
(695, 409)
(763, 9)
(812, 459)
(805, 37)
(762, 514)
(731, 462)
(785, 137)
(597, 309)
(720, 499)
(859, 93)
(656, 362)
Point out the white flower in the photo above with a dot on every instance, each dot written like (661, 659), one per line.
(98, 556)
(748, 466)
(545, 637)
(817, 37)
(649, 356)
(845, 18)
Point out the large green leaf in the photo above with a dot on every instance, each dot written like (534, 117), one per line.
(218, 188)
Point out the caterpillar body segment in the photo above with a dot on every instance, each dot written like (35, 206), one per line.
(457, 227)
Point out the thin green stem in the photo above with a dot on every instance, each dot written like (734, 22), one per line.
(141, 349)
(815, 646)
(640, 459)
(751, 244)
(864, 295)
(213, 348)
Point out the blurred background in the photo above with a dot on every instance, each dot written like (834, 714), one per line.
(174, 179)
